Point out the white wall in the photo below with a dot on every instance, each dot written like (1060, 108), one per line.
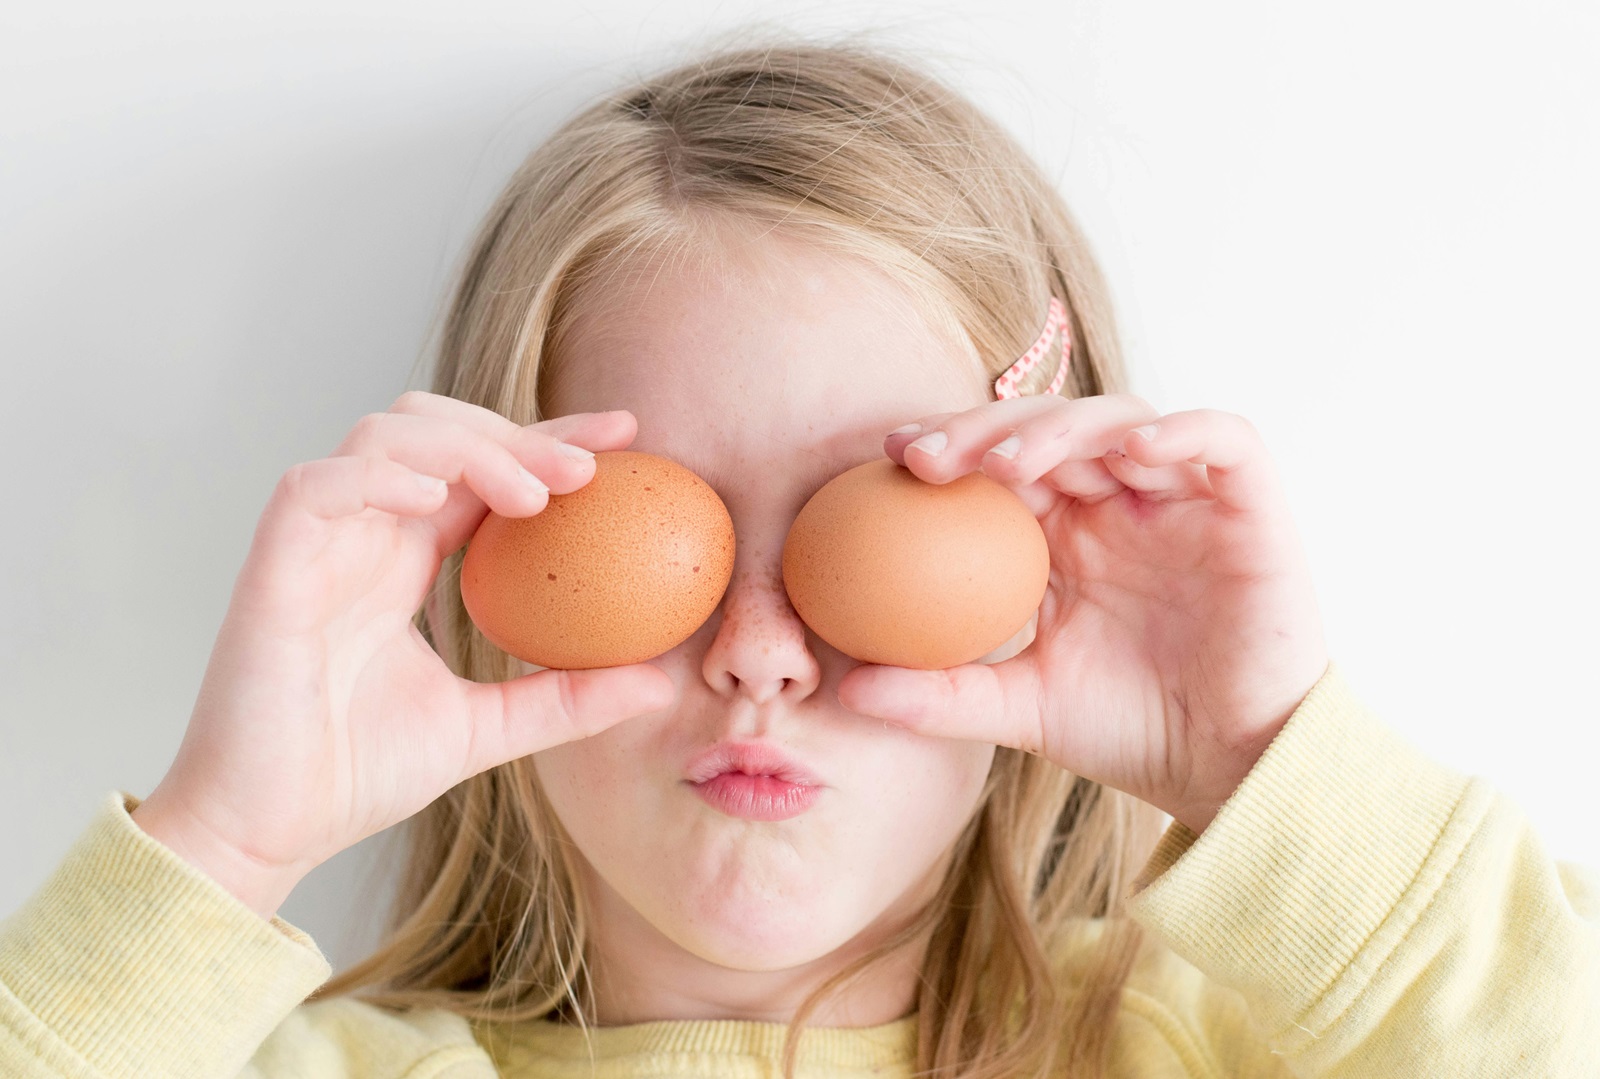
(1369, 227)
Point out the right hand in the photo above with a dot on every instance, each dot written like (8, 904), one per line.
(324, 716)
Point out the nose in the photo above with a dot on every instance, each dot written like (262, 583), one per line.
(760, 651)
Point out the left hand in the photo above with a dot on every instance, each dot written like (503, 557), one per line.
(1179, 629)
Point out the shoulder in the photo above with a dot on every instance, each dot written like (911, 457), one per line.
(345, 1038)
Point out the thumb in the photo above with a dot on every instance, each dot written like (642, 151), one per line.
(525, 715)
(978, 701)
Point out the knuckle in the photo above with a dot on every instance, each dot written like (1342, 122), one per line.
(411, 401)
(1028, 409)
(566, 701)
(294, 476)
(366, 428)
(1122, 397)
(292, 484)
(1233, 420)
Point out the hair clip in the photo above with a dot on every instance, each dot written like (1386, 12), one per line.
(1006, 384)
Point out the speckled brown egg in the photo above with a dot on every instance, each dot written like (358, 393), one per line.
(623, 569)
(889, 568)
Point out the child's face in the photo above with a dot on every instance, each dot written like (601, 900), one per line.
(767, 385)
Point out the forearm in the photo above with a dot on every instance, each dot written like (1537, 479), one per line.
(1381, 913)
(128, 961)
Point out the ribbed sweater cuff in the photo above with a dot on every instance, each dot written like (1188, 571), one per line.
(141, 965)
(1318, 856)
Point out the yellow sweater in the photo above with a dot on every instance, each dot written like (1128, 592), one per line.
(1355, 909)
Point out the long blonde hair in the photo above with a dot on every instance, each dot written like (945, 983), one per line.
(865, 153)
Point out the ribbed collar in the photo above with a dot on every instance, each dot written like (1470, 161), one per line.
(682, 1047)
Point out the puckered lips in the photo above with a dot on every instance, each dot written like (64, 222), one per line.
(753, 781)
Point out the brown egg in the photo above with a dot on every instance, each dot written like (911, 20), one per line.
(625, 568)
(888, 568)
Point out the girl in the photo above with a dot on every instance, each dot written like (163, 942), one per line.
(758, 264)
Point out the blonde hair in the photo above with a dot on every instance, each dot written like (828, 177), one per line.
(868, 155)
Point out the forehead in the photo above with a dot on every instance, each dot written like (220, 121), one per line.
(774, 354)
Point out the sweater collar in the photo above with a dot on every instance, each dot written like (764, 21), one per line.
(680, 1047)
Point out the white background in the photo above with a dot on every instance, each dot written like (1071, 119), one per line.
(1369, 227)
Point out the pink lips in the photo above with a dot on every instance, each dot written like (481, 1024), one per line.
(753, 781)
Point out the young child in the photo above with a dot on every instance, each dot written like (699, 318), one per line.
(771, 265)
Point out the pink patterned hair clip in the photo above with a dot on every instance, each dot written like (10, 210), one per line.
(1006, 384)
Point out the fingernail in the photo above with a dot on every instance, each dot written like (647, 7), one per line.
(908, 429)
(531, 480)
(567, 449)
(1147, 432)
(932, 444)
(1008, 449)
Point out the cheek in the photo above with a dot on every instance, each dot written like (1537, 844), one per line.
(936, 790)
(587, 782)
(597, 785)
(890, 849)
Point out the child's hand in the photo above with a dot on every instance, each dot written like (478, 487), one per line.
(1179, 629)
(324, 716)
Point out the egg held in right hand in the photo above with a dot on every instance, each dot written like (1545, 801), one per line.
(891, 569)
(619, 571)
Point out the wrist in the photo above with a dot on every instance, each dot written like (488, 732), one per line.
(1196, 820)
(1197, 813)
(261, 888)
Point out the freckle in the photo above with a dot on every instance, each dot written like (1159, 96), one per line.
(552, 576)
(697, 569)
(649, 488)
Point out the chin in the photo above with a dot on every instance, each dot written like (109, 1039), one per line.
(760, 936)
(756, 907)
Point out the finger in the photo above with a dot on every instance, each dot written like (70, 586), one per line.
(896, 441)
(1229, 447)
(1079, 429)
(996, 703)
(464, 511)
(455, 523)
(526, 715)
(952, 444)
(593, 431)
(485, 421)
(613, 429)
(433, 443)
(336, 487)
(1088, 481)
(514, 480)
(1163, 483)
(514, 477)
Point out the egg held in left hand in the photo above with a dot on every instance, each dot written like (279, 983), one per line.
(891, 569)
(619, 571)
